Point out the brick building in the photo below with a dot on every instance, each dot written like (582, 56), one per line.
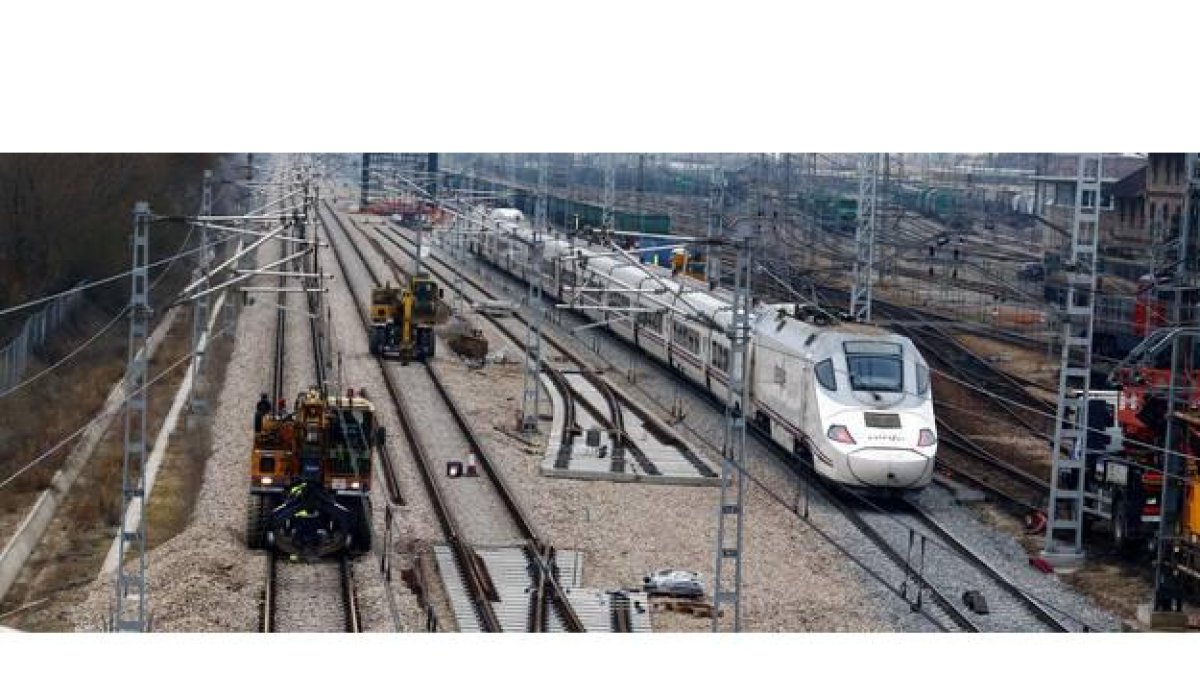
(1124, 233)
(1165, 186)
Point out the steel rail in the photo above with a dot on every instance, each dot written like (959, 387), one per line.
(1035, 607)
(462, 554)
(521, 519)
(353, 621)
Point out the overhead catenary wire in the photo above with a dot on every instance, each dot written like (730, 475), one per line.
(165, 261)
(108, 280)
(80, 431)
(104, 329)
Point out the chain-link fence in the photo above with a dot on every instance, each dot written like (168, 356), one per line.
(14, 357)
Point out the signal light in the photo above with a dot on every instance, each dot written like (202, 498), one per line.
(840, 434)
(926, 439)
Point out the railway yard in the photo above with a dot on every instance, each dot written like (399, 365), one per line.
(529, 467)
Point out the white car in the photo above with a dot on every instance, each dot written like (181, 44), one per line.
(676, 583)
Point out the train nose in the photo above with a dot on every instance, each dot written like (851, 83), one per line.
(886, 467)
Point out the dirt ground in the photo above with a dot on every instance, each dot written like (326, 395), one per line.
(73, 549)
(1030, 364)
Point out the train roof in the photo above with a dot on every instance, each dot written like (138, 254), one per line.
(776, 323)
(507, 214)
(683, 291)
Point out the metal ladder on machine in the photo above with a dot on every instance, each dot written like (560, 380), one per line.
(1064, 517)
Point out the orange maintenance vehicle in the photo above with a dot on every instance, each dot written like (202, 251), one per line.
(310, 476)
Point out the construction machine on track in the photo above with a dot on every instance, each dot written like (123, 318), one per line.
(310, 477)
(402, 320)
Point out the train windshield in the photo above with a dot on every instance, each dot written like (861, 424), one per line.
(875, 366)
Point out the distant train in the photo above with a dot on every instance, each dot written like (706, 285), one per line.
(855, 397)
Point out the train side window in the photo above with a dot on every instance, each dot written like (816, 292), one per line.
(651, 321)
(685, 337)
(922, 379)
(720, 357)
(824, 373)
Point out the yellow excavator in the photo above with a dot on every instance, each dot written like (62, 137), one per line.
(402, 320)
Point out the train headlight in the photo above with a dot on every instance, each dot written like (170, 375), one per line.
(266, 480)
(355, 485)
(840, 434)
(926, 439)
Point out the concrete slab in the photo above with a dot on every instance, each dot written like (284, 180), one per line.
(1161, 621)
(509, 570)
(654, 458)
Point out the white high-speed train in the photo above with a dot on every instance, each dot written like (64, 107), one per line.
(855, 397)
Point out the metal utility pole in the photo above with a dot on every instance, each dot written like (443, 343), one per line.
(716, 211)
(787, 176)
(608, 216)
(1064, 527)
(864, 238)
(512, 178)
(728, 582)
(364, 185)
(199, 392)
(539, 213)
(1168, 587)
(641, 189)
(129, 613)
(431, 169)
(530, 399)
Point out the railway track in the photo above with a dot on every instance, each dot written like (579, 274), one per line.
(1004, 596)
(936, 565)
(425, 398)
(296, 597)
(573, 385)
(1011, 484)
(952, 567)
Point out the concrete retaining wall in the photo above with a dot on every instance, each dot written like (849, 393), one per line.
(18, 549)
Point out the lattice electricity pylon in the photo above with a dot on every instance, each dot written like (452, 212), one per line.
(199, 392)
(530, 399)
(1064, 513)
(1185, 280)
(129, 613)
(728, 583)
(608, 217)
(864, 238)
(716, 211)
